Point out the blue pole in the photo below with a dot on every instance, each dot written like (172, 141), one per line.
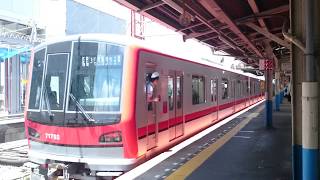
(269, 94)
(310, 163)
(277, 102)
(268, 113)
(297, 162)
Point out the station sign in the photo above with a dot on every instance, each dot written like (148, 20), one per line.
(286, 66)
(110, 60)
(265, 64)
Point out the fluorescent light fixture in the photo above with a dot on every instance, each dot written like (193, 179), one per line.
(109, 174)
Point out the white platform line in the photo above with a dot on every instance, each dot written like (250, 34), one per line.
(12, 121)
(244, 137)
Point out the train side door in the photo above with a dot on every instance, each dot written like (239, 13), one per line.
(179, 104)
(152, 129)
(234, 87)
(215, 98)
(175, 104)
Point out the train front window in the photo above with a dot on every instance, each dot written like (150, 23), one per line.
(96, 76)
(55, 80)
(36, 81)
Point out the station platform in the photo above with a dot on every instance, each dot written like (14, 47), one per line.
(242, 148)
(11, 128)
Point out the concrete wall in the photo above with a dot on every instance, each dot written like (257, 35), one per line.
(12, 132)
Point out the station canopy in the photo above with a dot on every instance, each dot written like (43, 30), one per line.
(17, 37)
(248, 29)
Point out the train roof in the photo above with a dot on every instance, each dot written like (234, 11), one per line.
(114, 38)
(127, 40)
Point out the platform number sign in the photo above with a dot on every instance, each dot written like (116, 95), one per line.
(268, 64)
(265, 64)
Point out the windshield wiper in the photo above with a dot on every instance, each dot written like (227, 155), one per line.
(51, 115)
(86, 115)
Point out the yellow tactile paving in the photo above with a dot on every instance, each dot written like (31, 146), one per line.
(186, 169)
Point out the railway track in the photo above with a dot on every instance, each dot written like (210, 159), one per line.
(12, 157)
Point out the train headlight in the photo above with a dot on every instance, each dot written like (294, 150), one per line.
(112, 137)
(33, 133)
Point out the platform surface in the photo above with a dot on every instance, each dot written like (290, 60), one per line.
(252, 152)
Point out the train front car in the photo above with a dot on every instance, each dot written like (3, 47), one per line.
(74, 120)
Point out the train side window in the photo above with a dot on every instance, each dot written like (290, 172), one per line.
(225, 87)
(215, 85)
(148, 80)
(239, 88)
(198, 89)
(252, 88)
(211, 90)
(170, 93)
(179, 91)
(231, 88)
(243, 88)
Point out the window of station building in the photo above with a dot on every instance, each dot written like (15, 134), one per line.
(198, 89)
(225, 88)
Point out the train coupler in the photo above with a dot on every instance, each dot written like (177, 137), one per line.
(58, 171)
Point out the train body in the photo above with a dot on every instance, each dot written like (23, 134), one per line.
(88, 108)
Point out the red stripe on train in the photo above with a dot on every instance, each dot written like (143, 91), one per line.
(163, 125)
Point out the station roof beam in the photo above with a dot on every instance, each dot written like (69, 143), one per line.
(213, 7)
(151, 6)
(223, 25)
(264, 30)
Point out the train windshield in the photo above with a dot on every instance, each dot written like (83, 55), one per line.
(76, 84)
(36, 81)
(96, 76)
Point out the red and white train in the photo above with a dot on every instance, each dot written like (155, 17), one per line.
(88, 114)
